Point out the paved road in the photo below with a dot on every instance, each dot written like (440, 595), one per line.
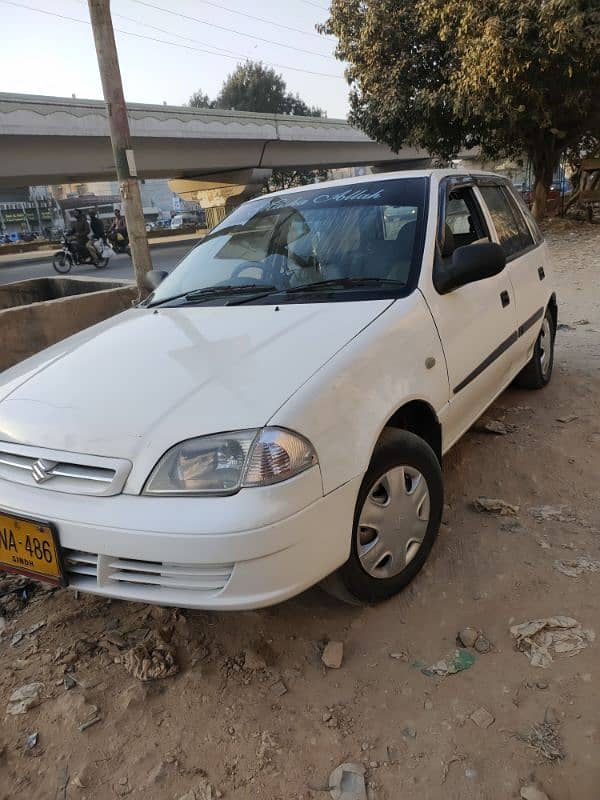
(119, 266)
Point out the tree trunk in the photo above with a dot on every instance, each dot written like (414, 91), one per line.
(540, 196)
(545, 159)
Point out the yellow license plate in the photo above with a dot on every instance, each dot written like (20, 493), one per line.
(29, 548)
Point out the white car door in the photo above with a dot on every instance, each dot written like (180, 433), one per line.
(476, 323)
(525, 255)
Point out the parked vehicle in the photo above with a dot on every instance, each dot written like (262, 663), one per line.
(190, 220)
(275, 413)
(70, 254)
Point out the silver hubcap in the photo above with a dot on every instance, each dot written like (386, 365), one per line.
(393, 522)
(545, 347)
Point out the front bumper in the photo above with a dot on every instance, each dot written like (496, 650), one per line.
(253, 549)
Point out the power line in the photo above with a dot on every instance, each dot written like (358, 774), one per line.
(232, 30)
(314, 5)
(221, 50)
(164, 41)
(260, 19)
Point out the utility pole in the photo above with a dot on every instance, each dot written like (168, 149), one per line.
(108, 62)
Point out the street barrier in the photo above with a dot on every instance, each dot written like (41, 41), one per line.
(35, 314)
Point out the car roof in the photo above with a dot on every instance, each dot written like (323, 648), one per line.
(436, 174)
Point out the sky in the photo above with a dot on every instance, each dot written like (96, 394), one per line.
(43, 54)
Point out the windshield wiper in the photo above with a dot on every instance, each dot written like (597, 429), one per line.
(214, 291)
(343, 283)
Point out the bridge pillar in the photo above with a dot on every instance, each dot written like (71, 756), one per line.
(219, 194)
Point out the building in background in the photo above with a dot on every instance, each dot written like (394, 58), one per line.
(159, 203)
(28, 212)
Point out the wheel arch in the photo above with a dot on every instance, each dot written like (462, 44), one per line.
(418, 417)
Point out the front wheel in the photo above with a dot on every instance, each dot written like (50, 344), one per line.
(102, 263)
(537, 372)
(62, 262)
(397, 517)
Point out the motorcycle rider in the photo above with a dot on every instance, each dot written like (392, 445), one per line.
(97, 225)
(118, 227)
(81, 231)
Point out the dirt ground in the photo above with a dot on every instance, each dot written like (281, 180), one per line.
(254, 713)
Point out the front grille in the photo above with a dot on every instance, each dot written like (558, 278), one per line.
(79, 563)
(110, 571)
(62, 472)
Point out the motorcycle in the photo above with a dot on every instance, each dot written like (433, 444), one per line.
(119, 242)
(70, 254)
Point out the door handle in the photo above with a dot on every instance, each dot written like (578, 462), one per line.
(505, 297)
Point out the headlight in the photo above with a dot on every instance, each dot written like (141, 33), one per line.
(225, 462)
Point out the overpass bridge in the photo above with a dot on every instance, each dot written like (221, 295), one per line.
(46, 140)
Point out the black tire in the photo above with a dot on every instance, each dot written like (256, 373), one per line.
(102, 263)
(538, 371)
(395, 448)
(62, 262)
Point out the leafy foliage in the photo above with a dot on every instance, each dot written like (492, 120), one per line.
(512, 76)
(254, 87)
(200, 100)
(290, 178)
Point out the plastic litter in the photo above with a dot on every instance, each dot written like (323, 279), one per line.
(482, 718)
(151, 660)
(577, 566)
(552, 514)
(454, 662)
(496, 427)
(491, 505)
(532, 793)
(31, 741)
(347, 782)
(24, 698)
(541, 639)
(333, 655)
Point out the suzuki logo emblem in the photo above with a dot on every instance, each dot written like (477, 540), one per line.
(42, 470)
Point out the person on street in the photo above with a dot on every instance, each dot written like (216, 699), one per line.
(118, 226)
(117, 233)
(81, 231)
(97, 225)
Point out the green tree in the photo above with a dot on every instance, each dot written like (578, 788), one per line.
(200, 100)
(290, 178)
(515, 77)
(254, 87)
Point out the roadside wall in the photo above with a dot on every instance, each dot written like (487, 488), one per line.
(27, 329)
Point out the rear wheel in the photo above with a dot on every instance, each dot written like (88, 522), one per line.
(62, 262)
(396, 520)
(537, 372)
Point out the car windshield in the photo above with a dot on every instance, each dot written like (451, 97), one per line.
(349, 237)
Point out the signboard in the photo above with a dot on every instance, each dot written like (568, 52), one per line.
(13, 216)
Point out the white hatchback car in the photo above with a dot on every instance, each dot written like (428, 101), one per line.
(276, 411)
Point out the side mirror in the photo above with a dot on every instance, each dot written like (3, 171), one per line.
(154, 278)
(473, 262)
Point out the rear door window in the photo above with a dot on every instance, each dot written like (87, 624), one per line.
(504, 220)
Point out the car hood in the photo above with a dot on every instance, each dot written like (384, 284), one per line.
(150, 378)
